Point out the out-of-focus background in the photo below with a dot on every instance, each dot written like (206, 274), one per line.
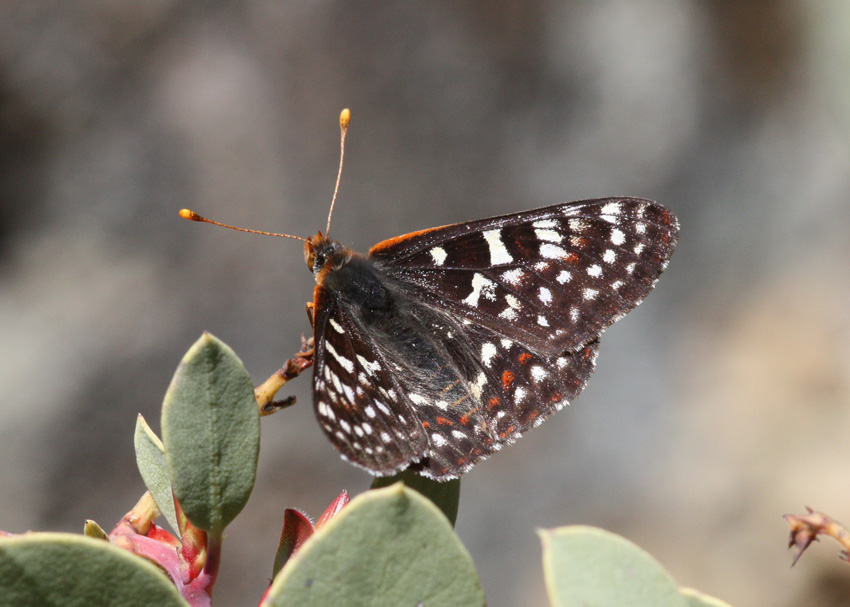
(720, 404)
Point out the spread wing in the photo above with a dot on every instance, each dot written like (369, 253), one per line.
(552, 278)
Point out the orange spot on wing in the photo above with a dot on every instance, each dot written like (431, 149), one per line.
(508, 431)
(524, 357)
(507, 378)
(494, 402)
(444, 421)
(426, 425)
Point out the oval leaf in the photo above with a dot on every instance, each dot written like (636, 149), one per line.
(65, 570)
(150, 459)
(590, 566)
(388, 547)
(445, 495)
(211, 432)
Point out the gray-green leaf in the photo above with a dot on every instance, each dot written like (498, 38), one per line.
(65, 570)
(588, 566)
(150, 459)
(388, 547)
(211, 432)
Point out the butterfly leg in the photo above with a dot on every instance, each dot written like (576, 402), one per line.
(292, 368)
(310, 312)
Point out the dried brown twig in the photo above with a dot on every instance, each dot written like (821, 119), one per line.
(806, 528)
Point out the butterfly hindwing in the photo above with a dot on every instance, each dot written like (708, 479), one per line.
(439, 396)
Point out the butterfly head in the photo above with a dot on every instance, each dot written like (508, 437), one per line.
(324, 255)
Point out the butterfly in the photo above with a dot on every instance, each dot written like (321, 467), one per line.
(441, 346)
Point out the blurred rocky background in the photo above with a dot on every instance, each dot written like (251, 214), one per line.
(720, 404)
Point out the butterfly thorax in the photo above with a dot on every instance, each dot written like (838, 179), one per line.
(349, 276)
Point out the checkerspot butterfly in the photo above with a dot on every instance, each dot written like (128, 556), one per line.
(441, 346)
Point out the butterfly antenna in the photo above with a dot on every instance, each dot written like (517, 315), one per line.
(344, 118)
(192, 216)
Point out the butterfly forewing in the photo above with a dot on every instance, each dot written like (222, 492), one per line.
(553, 278)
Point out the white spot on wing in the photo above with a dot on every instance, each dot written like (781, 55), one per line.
(337, 327)
(508, 314)
(564, 277)
(337, 385)
(438, 254)
(538, 373)
(611, 211)
(342, 360)
(589, 293)
(617, 237)
(545, 296)
(513, 277)
(438, 439)
(545, 223)
(488, 352)
(551, 251)
(595, 271)
(498, 253)
(542, 321)
(639, 247)
(370, 367)
(548, 235)
(326, 411)
(481, 286)
(577, 224)
(476, 387)
(609, 256)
